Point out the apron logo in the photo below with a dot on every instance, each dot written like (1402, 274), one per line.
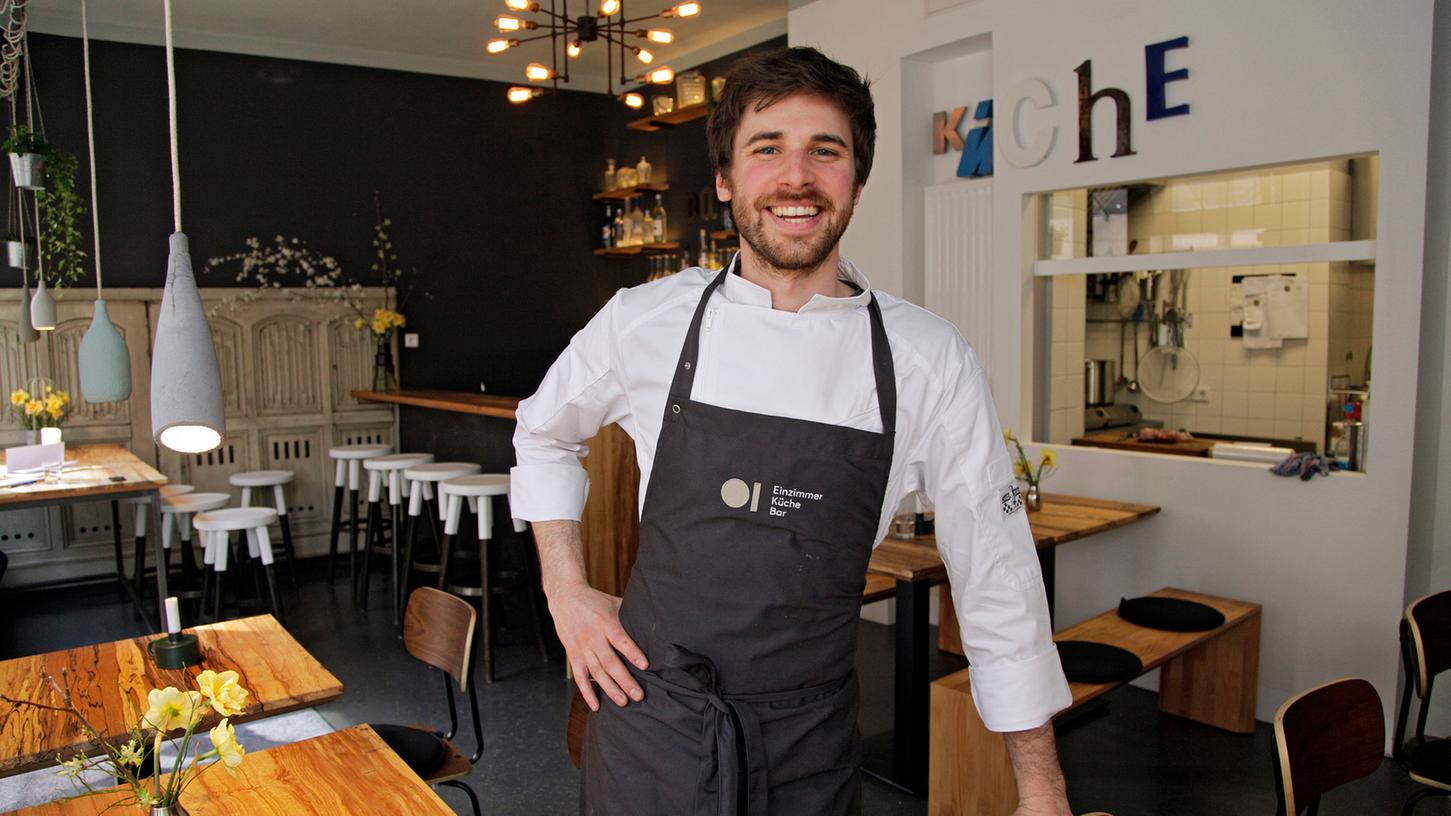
(735, 493)
(1012, 501)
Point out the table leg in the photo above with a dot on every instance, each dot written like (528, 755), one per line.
(116, 539)
(161, 578)
(906, 767)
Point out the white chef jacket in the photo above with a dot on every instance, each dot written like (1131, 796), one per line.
(816, 365)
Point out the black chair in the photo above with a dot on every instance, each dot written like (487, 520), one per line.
(1326, 737)
(438, 630)
(1425, 653)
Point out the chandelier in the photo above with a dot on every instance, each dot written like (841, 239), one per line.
(568, 35)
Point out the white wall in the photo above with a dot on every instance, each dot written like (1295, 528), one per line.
(1270, 83)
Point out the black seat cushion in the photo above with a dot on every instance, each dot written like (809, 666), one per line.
(420, 750)
(1431, 760)
(1088, 662)
(1170, 614)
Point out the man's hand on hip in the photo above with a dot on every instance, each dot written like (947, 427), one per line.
(588, 622)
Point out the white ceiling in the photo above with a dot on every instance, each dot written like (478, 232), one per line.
(429, 36)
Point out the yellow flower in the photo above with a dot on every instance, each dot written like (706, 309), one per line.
(226, 695)
(225, 745)
(170, 709)
(33, 407)
(130, 754)
(19, 397)
(1008, 435)
(1019, 470)
(359, 323)
(56, 412)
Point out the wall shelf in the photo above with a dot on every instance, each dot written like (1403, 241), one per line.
(639, 249)
(724, 235)
(630, 192)
(650, 124)
(1332, 252)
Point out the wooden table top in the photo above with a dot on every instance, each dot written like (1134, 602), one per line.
(462, 402)
(99, 470)
(110, 681)
(346, 772)
(1061, 520)
(1125, 440)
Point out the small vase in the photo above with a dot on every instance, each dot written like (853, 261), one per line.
(50, 436)
(383, 376)
(169, 810)
(1034, 500)
(31, 436)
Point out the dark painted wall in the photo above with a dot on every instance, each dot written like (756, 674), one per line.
(490, 201)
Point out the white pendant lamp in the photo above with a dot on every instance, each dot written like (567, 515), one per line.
(188, 414)
(103, 360)
(42, 305)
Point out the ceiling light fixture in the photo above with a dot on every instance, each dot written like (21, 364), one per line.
(568, 35)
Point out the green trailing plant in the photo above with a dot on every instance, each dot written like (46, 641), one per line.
(24, 140)
(60, 206)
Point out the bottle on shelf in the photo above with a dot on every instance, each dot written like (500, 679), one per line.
(659, 216)
(704, 260)
(637, 223)
(617, 228)
(647, 225)
(607, 232)
(726, 222)
(610, 175)
(643, 171)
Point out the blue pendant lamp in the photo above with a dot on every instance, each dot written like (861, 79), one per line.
(188, 414)
(104, 362)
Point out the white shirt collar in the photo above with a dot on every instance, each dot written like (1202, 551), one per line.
(739, 290)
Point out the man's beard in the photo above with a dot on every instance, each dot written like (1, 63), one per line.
(789, 254)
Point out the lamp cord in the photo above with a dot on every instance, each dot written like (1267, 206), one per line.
(171, 100)
(91, 147)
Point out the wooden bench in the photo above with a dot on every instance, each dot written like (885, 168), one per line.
(1209, 677)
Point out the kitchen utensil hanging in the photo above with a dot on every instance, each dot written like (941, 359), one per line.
(1169, 373)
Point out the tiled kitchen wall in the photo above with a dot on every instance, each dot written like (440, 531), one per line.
(1067, 234)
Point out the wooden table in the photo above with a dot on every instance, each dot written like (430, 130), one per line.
(110, 681)
(900, 756)
(349, 772)
(100, 472)
(460, 402)
(1126, 440)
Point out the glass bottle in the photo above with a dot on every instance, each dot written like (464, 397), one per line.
(659, 214)
(704, 261)
(617, 229)
(637, 225)
(647, 226)
(610, 175)
(643, 170)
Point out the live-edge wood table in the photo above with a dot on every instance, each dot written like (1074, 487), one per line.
(100, 472)
(349, 772)
(109, 683)
(899, 757)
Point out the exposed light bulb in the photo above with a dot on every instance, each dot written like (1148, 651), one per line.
(505, 22)
(682, 10)
(608, 7)
(660, 35)
(664, 75)
(574, 49)
(522, 5)
(190, 438)
(643, 55)
(633, 99)
(499, 46)
(519, 94)
(538, 72)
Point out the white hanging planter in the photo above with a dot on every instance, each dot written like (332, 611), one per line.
(20, 254)
(27, 169)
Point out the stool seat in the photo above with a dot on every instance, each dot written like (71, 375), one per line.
(165, 491)
(359, 451)
(396, 461)
(194, 502)
(483, 484)
(234, 518)
(440, 471)
(261, 478)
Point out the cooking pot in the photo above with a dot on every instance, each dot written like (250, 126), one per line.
(1099, 382)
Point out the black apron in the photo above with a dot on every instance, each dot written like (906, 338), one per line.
(745, 597)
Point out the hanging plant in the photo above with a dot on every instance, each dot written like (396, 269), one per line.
(60, 208)
(27, 150)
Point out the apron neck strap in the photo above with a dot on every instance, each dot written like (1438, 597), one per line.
(882, 367)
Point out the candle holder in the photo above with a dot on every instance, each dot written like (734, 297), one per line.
(175, 651)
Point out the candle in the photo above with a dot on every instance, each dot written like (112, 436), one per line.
(173, 615)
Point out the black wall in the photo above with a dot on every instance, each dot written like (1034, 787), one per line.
(490, 201)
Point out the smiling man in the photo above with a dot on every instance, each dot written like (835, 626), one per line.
(781, 410)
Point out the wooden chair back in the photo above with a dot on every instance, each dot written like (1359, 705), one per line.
(578, 721)
(438, 628)
(1326, 737)
(1430, 622)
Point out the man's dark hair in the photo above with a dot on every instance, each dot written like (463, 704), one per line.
(761, 80)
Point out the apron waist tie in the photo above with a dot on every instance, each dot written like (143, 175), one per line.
(731, 731)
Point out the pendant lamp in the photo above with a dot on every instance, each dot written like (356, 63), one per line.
(188, 414)
(42, 306)
(103, 360)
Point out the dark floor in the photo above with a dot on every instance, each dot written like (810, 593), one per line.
(1128, 759)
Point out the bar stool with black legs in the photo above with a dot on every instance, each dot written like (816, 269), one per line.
(349, 459)
(421, 481)
(277, 480)
(215, 525)
(480, 491)
(141, 515)
(387, 472)
(176, 518)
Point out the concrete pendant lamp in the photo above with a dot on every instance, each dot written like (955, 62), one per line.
(187, 410)
(104, 363)
(42, 305)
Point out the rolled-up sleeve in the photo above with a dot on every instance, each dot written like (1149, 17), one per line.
(580, 394)
(992, 564)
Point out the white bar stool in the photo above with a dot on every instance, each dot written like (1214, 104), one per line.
(349, 460)
(421, 480)
(141, 507)
(214, 525)
(275, 479)
(480, 491)
(176, 516)
(387, 471)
